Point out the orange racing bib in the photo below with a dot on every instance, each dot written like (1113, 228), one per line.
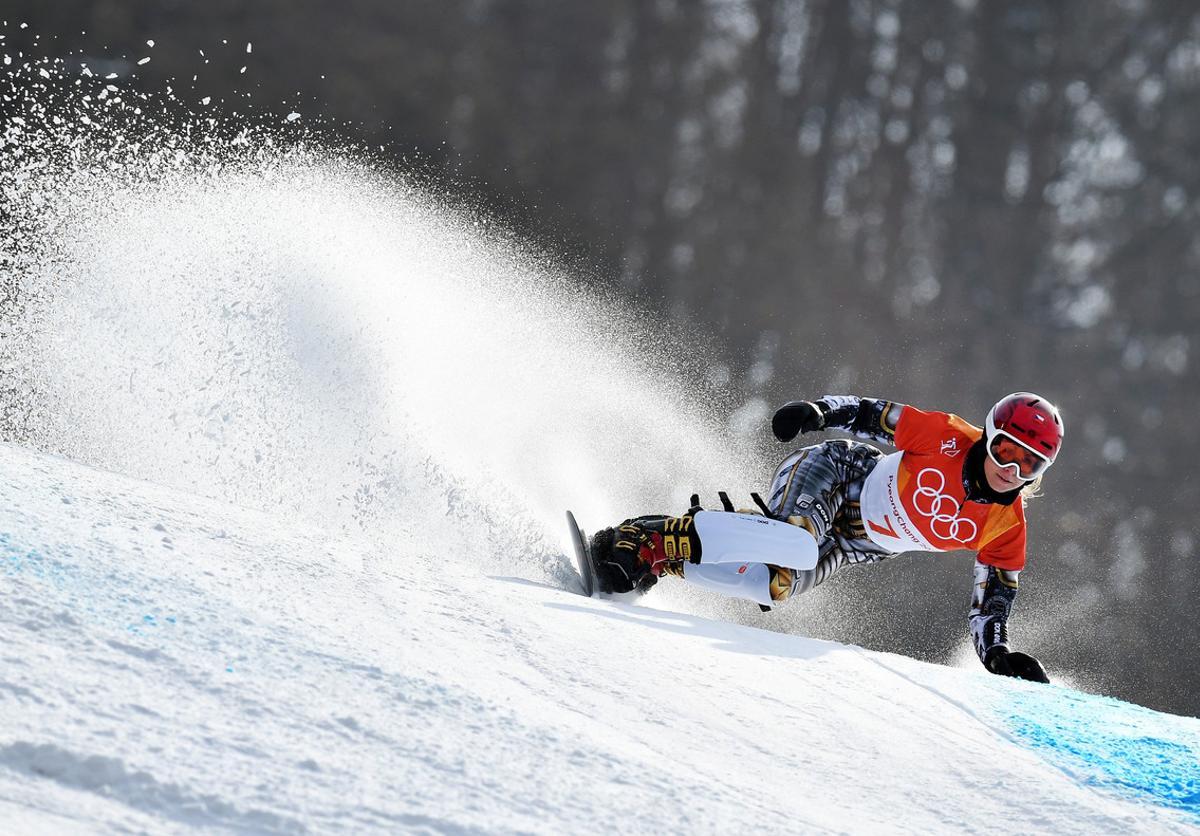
(914, 499)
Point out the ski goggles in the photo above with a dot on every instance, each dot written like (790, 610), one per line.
(1007, 452)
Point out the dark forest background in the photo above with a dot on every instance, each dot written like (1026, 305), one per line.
(933, 202)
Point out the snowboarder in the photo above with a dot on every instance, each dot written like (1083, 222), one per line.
(950, 485)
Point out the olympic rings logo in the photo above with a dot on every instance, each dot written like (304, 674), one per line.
(930, 502)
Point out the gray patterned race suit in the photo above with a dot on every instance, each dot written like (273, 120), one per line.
(818, 488)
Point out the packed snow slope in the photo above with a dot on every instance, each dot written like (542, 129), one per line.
(172, 662)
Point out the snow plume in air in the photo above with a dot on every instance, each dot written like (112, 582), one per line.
(244, 312)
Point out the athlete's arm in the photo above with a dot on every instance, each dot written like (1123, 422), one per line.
(871, 418)
(991, 603)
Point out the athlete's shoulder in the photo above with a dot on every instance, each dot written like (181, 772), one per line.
(963, 427)
(919, 429)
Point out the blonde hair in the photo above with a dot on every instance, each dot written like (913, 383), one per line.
(1034, 489)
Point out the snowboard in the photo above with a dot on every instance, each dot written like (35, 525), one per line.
(583, 557)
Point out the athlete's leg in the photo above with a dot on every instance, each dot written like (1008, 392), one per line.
(767, 584)
(839, 552)
(751, 581)
(816, 489)
(643, 548)
(819, 489)
(812, 485)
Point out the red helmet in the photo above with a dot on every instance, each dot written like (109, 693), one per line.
(1033, 423)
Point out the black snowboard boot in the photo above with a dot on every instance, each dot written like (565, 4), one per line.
(636, 553)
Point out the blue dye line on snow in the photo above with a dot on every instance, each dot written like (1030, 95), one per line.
(23, 561)
(87, 592)
(90, 600)
(1114, 746)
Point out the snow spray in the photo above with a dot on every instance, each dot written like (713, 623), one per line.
(244, 311)
(243, 308)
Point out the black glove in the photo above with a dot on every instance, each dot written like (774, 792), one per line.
(796, 417)
(1000, 660)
